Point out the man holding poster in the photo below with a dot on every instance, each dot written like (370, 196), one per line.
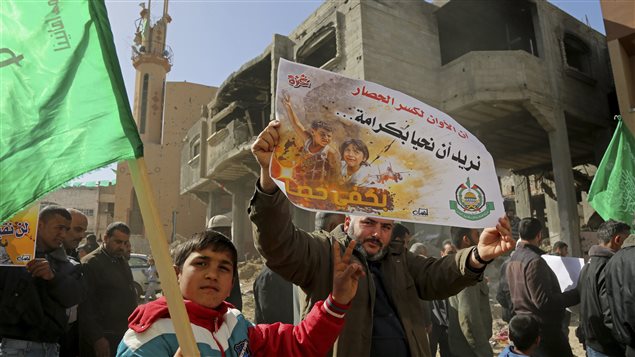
(383, 319)
(379, 321)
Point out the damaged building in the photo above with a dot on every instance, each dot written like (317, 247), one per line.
(530, 81)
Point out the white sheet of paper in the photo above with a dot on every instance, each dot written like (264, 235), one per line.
(567, 270)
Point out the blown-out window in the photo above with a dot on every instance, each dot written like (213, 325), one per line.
(195, 147)
(320, 48)
(577, 53)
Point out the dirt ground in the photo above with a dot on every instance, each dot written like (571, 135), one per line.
(249, 270)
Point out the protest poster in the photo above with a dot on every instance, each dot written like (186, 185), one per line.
(357, 147)
(17, 237)
(567, 269)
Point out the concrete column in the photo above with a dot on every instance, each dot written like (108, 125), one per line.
(565, 189)
(242, 232)
(209, 212)
(214, 206)
(282, 47)
(522, 196)
(553, 216)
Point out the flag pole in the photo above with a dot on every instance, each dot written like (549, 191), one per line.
(159, 246)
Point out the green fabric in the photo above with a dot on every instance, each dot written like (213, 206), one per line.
(63, 103)
(612, 192)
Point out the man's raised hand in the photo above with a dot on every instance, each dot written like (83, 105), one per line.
(262, 149)
(346, 274)
(493, 242)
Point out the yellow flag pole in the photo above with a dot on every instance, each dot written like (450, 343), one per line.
(159, 246)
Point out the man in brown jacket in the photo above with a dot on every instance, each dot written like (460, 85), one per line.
(535, 291)
(385, 317)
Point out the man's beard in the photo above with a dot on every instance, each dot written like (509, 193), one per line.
(359, 247)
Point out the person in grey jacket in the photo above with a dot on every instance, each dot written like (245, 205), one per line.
(470, 325)
(385, 316)
(596, 320)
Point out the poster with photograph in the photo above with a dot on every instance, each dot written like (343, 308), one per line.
(17, 237)
(357, 147)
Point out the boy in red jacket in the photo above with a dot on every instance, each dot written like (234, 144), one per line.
(205, 266)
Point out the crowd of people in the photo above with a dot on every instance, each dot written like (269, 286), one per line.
(364, 290)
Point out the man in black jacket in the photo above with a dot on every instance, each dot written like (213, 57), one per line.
(535, 291)
(69, 343)
(103, 318)
(596, 321)
(620, 277)
(273, 297)
(503, 296)
(33, 301)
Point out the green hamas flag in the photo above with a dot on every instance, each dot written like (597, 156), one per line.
(612, 192)
(63, 105)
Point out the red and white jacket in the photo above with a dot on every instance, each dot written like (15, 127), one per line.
(225, 332)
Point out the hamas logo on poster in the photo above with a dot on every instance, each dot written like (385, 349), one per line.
(470, 202)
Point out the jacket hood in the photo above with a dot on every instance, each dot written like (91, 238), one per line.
(145, 315)
(600, 251)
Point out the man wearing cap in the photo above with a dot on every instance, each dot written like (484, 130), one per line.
(223, 225)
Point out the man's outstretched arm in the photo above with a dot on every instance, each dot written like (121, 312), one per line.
(295, 255)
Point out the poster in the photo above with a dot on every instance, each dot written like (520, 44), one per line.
(357, 147)
(17, 237)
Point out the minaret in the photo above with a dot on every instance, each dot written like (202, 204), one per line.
(152, 61)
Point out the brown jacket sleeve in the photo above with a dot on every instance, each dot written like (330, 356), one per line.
(438, 279)
(292, 253)
(544, 296)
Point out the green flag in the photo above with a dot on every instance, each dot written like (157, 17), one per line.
(63, 103)
(612, 192)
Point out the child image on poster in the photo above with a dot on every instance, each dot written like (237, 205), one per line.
(318, 163)
(355, 163)
(316, 173)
